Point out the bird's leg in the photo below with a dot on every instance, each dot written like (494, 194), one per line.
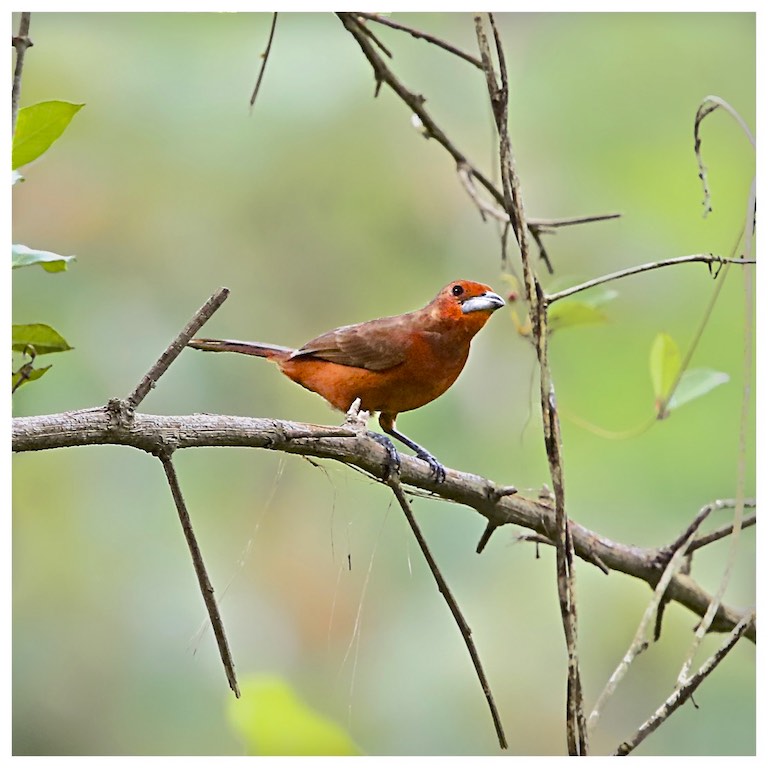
(387, 423)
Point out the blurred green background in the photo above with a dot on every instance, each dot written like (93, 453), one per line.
(325, 207)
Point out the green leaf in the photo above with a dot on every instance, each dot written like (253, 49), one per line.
(272, 720)
(37, 127)
(21, 256)
(695, 383)
(35, 373)
(665, 367)
(570, 312)
(41, 337)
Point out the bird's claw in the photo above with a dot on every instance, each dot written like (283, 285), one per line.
(393, 459)
(392, 464)
(438, 470)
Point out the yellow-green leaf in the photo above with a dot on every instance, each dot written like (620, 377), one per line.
(38, 126)
(571, 312)
(272, 720)
(41, 337)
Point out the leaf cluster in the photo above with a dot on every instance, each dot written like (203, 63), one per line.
(37, 128)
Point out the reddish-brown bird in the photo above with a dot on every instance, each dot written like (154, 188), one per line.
(392, 364)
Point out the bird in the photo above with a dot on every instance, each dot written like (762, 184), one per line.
(391, 364)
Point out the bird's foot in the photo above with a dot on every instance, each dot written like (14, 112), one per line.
(392, 465)
(438, 470)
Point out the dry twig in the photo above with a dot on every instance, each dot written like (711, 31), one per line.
(264, 58)
(20, 42)
(686, 691)
(576, 730)
(442, 585)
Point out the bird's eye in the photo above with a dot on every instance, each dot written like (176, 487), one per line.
(457, 290)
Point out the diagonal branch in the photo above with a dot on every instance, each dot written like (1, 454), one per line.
(353, 23)
(175, 347)
(445, 591)
(202, 575)
(685, 692)
(419, 35)
(264, 59)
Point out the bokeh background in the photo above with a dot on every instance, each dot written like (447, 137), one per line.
(323, 207)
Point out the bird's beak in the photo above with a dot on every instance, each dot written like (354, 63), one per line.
(486, 302)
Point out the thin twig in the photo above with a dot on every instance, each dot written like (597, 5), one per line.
(442, 585)
(421, 36)
(744, 424)
(721, 533)
(544, 224)
(682, 694)
(415, 102)
(20, 42)
(465, 174)
(176, 346)
(640, 640)
(707, 107)
(576, 730)
(706, 258)
(264, 57)
(202, 576)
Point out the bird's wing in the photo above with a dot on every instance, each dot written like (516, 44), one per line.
(376, 345)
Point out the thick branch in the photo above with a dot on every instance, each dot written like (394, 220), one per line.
(158, 434)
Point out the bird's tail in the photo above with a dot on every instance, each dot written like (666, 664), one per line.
(269, 351)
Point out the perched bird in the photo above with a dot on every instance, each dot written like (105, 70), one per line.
(392, 364)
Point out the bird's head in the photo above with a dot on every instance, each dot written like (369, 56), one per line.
(464, 305)
(464, 298)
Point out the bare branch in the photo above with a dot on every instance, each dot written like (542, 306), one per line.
(415, 102)
(706, 258)
(576, 728)
(721, 533)
(202, 575)
(175, 347)
(684, 693)
(379, 19)
(20, 42)
(155, 434)
(640, 640)
(442, 585)
(264, 58)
